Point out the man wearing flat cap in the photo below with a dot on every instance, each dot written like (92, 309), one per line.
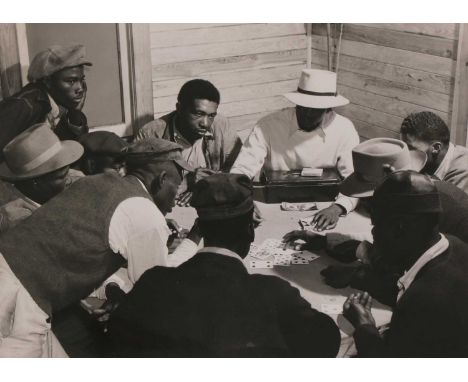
(103, 151)
(430, 316)
(210, 305)
(110, 222)
(56, 94)
(308, 135)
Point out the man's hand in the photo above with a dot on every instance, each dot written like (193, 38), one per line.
(357, 309)
(114, 296)
(328, 217)
(339, 276)
(79, 106)
(257, 215)
(16, 210)
(312, 240)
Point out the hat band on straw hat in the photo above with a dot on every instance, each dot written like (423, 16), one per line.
(333, 94)
(37, 161)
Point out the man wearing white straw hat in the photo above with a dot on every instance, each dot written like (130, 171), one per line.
(309, 135)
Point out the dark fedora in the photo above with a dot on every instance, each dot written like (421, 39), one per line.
(370, 160)
(35, 152)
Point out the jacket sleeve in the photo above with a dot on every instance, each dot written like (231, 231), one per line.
(16, 115)
(72, 126)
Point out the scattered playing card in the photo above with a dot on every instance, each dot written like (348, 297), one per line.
(312, 257)
(284, 260)
(315, 172)
(261, 264)
(331, 309)
(285, 206)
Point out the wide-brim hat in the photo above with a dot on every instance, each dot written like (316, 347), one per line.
(317, 90)
(37, 151)
(370, 159)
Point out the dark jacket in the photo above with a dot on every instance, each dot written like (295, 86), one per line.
(29, 106)
(211, 307)
(453, 221)
(431, 318)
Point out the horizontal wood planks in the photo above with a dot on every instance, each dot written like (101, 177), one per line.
(251, 64)
(388, 71)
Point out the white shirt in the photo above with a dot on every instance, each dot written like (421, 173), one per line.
(407, 279)
(138, 232)
(277, 143)
(444, 166)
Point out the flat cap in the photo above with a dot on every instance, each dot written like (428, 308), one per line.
(152, 150)
(56, 58)
(103, 143)
(222, 196)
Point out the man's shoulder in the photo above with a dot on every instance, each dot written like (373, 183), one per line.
(157, 127)
(283, 116)
(460, 154)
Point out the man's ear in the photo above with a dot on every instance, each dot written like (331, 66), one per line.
(159, 181)
(436, 147)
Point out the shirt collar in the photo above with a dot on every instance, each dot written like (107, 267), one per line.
(142, 185)
(407, 279)
(221, 251)
(36, 204)
(321, 130)
(443, 168)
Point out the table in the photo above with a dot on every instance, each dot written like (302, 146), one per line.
(307, 277)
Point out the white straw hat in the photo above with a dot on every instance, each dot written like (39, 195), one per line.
(317, 90)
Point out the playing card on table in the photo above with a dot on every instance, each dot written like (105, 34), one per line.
(258, 264)
(259, 253)
(331, 309)
(276, 247)
(284, 260)
(285, 206)
(299, 260)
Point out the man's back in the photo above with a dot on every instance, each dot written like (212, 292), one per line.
(211, 306)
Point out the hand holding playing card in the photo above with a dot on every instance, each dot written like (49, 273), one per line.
(357, 309)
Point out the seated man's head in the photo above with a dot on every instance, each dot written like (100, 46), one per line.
(405, 213)
(224, 205)
(427, 132)
(197, 106)
(61, 70)
(316, 95)
(376, 158)
(37, 163)
(158, 164)
(103, 152)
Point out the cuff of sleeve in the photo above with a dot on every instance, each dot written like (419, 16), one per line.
(348, 203)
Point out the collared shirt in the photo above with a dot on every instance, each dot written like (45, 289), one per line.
(407, 279)
(55, 113)
(444, 166)
(221, 251)
(277, 143)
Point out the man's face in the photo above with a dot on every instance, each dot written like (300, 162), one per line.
(51, 184)
(164, 195)
(416, 144)
(309, 119)
(68, 86)
(194, 120)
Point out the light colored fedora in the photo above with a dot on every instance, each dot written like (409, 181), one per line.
(370, 160)
(317, 90)
(35, 152)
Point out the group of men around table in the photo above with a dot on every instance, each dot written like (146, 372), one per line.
(83, 214)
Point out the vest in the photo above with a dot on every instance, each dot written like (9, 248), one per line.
(61, 253)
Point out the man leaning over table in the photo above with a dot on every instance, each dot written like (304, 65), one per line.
(110, 221)
(311, 134)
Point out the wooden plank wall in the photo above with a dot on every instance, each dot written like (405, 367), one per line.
(251, 64)
(386, 70)
(390, 70)
(10, 69)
